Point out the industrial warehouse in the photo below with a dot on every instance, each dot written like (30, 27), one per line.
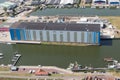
(56, 32)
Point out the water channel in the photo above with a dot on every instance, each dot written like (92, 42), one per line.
(77, 12)
(61, 56)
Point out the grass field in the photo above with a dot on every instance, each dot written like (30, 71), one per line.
(115, 20)
(26, 79)
(4, 69)
(11, 79)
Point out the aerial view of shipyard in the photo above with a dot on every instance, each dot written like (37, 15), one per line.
(59, 39)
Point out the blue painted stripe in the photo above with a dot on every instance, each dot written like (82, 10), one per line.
(85, 37)
(98, 37)
(84, 40)
(94, 37)
(51, 36)
(30, 35)
(64, 36)
(18, 34)
(44, 35)
(24, 33)
(12, 34)
(78, 36)
(71, 36)
(58, 36)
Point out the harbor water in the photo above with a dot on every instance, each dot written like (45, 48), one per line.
(77, 12)
(1, 1)
(60, 55)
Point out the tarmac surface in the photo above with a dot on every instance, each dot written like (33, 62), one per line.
(5, 36)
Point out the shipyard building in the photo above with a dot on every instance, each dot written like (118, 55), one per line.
(56, 32)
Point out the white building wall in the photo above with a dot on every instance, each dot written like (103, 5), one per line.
(66, 2)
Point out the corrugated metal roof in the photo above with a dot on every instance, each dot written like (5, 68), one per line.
(57, 26)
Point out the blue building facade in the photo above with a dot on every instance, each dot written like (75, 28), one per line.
(73, 33)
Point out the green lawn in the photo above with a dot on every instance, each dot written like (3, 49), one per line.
(4, 69)
(11, 79)
(115, 20)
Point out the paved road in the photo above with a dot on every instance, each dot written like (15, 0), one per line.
(67, 77)
(44, 77)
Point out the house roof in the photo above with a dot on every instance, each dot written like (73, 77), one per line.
(57, 26)
(41, 72)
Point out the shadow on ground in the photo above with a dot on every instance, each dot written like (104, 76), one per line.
(108, 42)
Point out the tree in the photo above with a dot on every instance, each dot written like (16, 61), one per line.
(5, 9)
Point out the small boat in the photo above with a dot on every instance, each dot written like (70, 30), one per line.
(75, 67)
(9, 43)
(17, 55)
(111, 66)
(1, 57)
(108, 59)
(14, 58)
(1, 54)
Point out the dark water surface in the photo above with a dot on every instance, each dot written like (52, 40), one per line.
(77, 11)
(1, 1)
(61, 55)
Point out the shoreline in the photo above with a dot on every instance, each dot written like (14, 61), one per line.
(112, 19)
(59, 73)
